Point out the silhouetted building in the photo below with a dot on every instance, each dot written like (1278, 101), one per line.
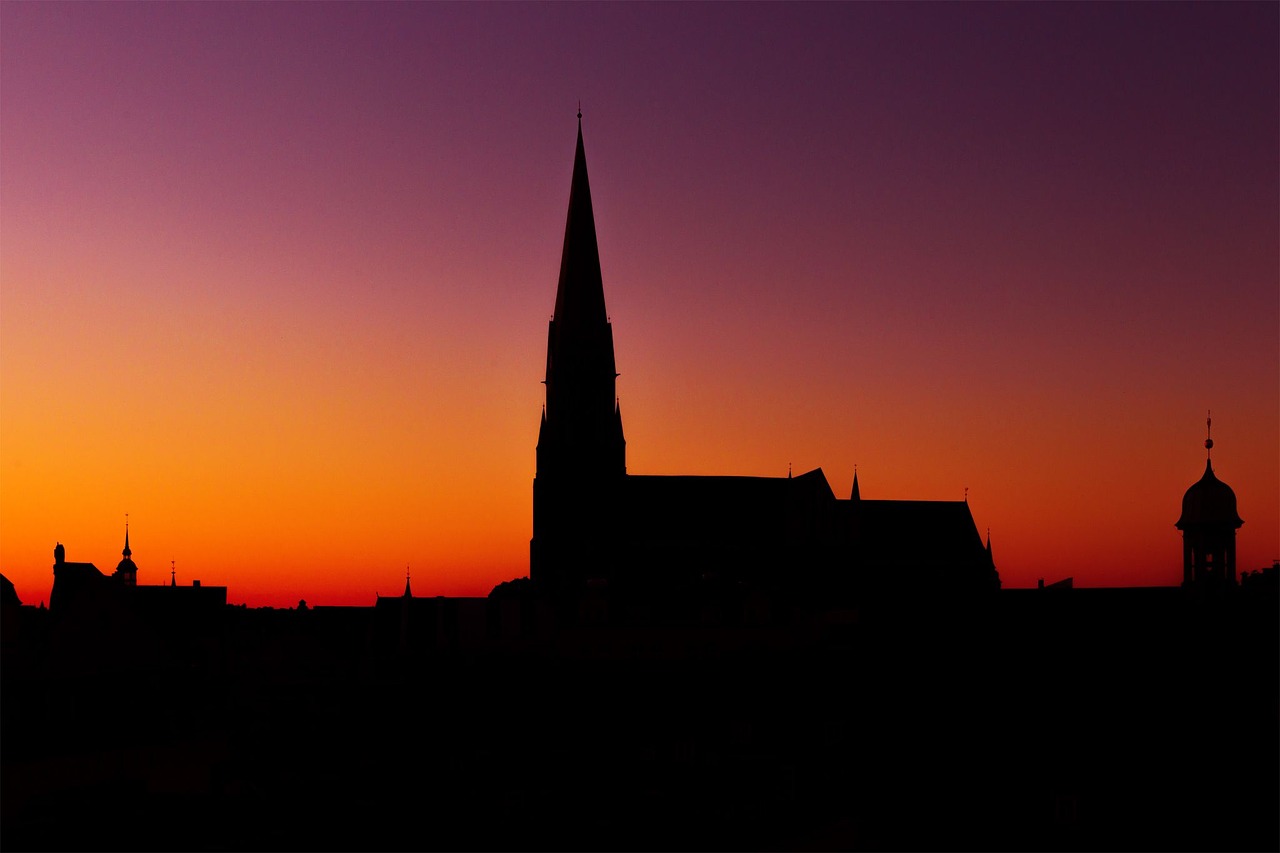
(1209, 522)
(126, 571)
(101, 621)
(596, 525)
(75, 582)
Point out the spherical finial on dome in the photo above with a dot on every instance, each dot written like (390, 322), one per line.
(1209, 501)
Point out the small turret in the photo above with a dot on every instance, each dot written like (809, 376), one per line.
(1208, 523)
(126, 572)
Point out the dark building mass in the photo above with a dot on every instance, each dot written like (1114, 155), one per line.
(594, 523)
(694, 663)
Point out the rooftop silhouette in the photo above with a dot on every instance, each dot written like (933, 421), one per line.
(593, 522)
(694, 663)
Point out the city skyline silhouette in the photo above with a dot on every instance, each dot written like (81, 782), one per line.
(296, 386)
(854, 292)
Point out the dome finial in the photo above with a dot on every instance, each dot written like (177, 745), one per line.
(1208, 434)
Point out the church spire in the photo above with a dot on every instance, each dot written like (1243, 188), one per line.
(581, 453)
(407, 592)
(855, 495)
(126, 571)
(580, 294)
(581, 433)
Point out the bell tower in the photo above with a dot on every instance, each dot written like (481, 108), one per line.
(581, 452)
(1209, 522)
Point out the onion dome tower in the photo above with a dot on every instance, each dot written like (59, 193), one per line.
(1208, 523)
(126, 571)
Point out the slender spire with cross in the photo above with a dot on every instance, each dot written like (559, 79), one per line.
(173, 574)
(1208, 435)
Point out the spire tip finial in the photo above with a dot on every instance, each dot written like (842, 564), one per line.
(1208, 434)
(579, 110)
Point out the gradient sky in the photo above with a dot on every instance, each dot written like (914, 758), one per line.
(275, 277)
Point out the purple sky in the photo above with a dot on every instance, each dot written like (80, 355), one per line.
(284, 269)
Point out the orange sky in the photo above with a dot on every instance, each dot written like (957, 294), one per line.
(274, 279)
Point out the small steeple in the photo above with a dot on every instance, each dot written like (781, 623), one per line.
(126, 571)
(855, 495)
(407, 592)
(173, 574)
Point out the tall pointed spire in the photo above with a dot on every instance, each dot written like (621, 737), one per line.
(127, 552)
(407, 592)
(855, 495)
(582, 428)
(581, 454)
(580, 294)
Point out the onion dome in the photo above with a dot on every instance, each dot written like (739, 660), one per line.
(1209, 501)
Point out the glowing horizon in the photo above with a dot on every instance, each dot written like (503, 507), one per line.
(274, 279)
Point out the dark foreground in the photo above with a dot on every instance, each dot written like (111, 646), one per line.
(1025, 720)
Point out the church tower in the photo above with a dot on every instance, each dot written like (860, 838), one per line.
(1208, 523)
(581, 453)
(126, 571)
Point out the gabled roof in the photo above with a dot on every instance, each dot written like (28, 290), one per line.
(916, 533)
(8, 594)
(78, 570)
(693, 507)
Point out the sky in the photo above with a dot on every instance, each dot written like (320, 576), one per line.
(275, 277)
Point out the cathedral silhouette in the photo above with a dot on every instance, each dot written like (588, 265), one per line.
(596, 525)
(696, 663)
